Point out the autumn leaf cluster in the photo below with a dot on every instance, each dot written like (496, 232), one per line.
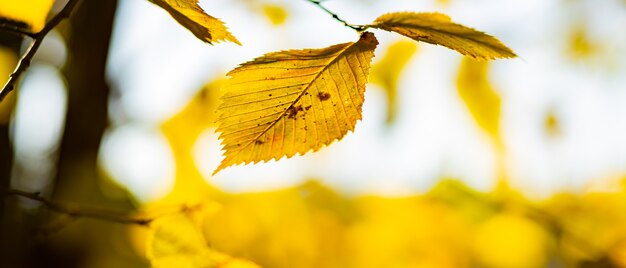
(292, 102)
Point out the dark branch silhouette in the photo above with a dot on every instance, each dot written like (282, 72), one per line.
(38, 38)
(93, 213)
(358, 28)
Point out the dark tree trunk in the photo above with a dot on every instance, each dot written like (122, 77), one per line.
(8, 210)
(78, 242)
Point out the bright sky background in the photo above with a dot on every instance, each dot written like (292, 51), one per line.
(156, 66)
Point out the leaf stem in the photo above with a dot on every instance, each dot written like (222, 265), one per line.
(99, 214)
(26, 59)
(358, 28)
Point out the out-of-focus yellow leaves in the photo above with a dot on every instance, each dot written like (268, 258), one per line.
(274, 228)
(182, 131)
(175, 241)
(275, 13)
(391, 232)
(438, 29)
(291, 102)
(580, 44)
(33, 13)
(8, 61)
(551, 125)
(386, 72)
(512, 241)
(482, 101)
(191, 16)
(443, 2)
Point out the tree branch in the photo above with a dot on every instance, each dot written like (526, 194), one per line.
(26, 59)
(318, 3)
(99, 214)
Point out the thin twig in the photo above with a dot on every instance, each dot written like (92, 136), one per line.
(318, 3)
(25, 61)
(93, 213)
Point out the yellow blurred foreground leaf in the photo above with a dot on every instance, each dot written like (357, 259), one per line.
(438, 29)
(190, 15)
(175, 241)
(32, 13)
(294, 101)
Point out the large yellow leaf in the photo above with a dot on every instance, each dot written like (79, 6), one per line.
(190, 15)
(290, 102)
(438, 29)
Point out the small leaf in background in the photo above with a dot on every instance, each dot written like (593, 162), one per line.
(386, 73)
(32, 13)
(438, 29)
(581, 45)
(482, 101)
(276, 14)
(443, 2)
(291, 102)
(175, 241)
(551, 125)
(191, 16)
(8, 61)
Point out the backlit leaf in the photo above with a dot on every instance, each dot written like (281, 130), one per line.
(294, 101)
(438, 29)
(386, 72)
(190, 15)
(479, 96)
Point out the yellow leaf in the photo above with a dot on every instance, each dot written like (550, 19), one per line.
(386, 72)
(438, 29)
(478, 95)
(190, 15)
(33, 13)
(175, 241)
(294, 101)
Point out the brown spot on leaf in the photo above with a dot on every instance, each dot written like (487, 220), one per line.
(292, 111)
(307, 107)
(258, 142)
(323, 96)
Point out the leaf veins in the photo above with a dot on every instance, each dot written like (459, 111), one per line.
(291, 102)
(438, 29)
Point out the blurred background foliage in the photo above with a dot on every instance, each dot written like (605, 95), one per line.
(54, 131)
